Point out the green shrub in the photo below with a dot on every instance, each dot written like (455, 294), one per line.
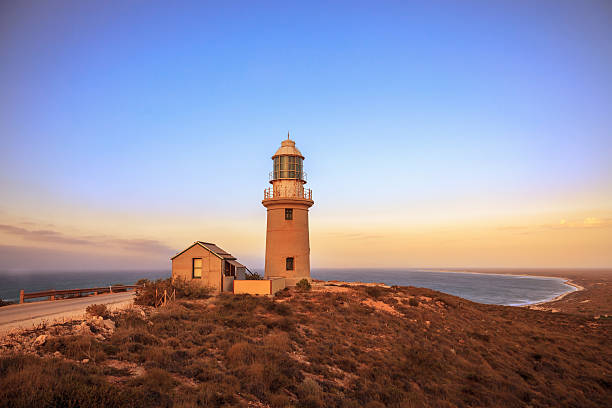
(303, 285)
(241, 353)
(216, 394)
(253, 276)
(76, 347)
(146, 295)
(280, 401)
(30, 381)
(98, 310)
(374, 291)
(188, 290)
(278, 340)
(5, 303)
(310, 393)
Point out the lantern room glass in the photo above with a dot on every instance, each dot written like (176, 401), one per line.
(288, 167)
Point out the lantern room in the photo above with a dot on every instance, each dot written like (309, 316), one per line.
(288, 162)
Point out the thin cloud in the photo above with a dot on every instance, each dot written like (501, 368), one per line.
(55, 237)
(140, 245)
(586, 223)
(43, 236)
(355, 235)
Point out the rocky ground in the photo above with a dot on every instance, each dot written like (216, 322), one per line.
(32, 340)
(337, 345)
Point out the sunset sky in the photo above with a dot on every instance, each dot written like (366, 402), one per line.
(436, 134)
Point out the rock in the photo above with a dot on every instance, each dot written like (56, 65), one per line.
(83, 328)
(40, 340)
(108, 324)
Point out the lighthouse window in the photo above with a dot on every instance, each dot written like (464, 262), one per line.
(289, 264)
(197, 268)
(288, 213)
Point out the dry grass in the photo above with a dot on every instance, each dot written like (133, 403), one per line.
(325, 349)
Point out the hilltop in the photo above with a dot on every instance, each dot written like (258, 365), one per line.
(334, 346)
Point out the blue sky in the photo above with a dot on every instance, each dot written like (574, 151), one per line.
(156, 121)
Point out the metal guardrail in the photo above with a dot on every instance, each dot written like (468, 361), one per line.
(64, 293)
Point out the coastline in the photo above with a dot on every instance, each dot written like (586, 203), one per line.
(577, 288)
(567, 281)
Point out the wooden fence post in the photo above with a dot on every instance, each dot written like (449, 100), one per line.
(21, 296)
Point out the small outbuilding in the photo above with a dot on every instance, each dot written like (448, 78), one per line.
(205, 264)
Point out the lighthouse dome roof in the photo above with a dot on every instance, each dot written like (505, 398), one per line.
(288, 149)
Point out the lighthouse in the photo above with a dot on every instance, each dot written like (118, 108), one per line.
(287, 203)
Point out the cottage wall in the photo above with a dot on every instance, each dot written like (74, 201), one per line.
(228, 283)
(182, 267)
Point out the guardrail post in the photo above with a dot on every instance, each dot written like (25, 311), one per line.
(21, 296)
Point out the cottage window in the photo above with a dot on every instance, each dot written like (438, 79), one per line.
(230, 270)
(197, 268)
(289, 264)
(288, 213)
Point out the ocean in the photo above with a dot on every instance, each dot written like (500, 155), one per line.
(496, 289)
(509, 290)
(12, 282)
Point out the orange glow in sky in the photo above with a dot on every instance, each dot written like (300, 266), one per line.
(455, 136)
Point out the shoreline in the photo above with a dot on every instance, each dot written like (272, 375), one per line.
(577, 288)
(567, 281)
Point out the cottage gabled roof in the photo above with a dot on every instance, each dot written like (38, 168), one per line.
(236, 263)
(214, 249)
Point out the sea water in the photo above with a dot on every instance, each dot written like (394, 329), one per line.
(497, 289)
(512, 290)
(12, 282)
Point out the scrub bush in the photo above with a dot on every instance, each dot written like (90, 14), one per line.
(303, 285)
(184, 290)
(5, 303)
(98, 311)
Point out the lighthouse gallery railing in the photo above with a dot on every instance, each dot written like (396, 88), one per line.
(270, 192)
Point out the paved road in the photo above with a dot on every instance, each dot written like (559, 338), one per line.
(31, 314)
